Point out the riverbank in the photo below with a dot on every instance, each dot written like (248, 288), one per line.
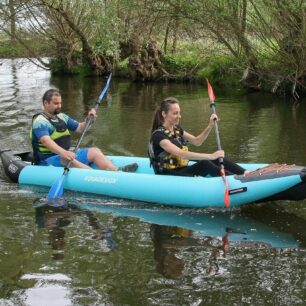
(187, 64)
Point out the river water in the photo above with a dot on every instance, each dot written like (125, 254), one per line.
(103, 251)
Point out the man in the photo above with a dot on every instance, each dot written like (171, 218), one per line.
(51, 138)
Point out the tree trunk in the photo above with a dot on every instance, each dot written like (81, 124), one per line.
(12, 20)
(166, 37)
(146, 65)
(175, 31)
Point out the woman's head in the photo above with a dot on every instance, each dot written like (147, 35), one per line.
(168, 112)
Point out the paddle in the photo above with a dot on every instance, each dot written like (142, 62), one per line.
(57, 189)
(222, 170)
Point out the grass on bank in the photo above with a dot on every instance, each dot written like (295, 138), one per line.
(13, 49)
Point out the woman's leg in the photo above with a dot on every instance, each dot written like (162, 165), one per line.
(230, 167)
(207, 167)
(200, 168)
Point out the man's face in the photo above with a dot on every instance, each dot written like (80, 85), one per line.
(54, 106)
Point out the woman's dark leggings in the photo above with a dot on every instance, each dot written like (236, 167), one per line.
(206, 167)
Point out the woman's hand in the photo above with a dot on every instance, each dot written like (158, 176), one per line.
(217, 154)
(212, 119)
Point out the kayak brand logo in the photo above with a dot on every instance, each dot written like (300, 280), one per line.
(12, 168)
(99, 179)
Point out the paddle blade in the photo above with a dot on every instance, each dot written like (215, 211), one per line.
(105, 89)
(227, 201)
(57, 189)
(210, 91)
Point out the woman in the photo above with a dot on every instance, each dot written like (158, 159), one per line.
(168, 149)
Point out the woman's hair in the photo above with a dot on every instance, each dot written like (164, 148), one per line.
(158, 119)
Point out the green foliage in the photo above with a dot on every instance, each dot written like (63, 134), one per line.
(122, 68)
(219, 69)
(56, 66)
(181, 66)
(101, 24)
(10, 49)
(83, 69)
(179, 62)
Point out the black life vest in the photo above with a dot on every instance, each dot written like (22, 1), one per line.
(165, 160)
(61, 136)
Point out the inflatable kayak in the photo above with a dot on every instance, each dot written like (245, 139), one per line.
(264, 182)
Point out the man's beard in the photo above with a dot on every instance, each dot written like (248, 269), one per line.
(56, 111)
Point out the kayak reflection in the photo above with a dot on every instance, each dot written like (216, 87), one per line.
(202, 222)
(176, 232)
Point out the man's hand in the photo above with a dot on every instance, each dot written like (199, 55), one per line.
(68, 155)
(92, 114)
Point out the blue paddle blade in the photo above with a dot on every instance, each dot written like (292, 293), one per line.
(57, 189)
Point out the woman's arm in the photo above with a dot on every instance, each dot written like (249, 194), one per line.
(198, 140)
(169, 147)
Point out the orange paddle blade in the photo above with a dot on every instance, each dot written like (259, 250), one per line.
(210, 91)
(227, 201)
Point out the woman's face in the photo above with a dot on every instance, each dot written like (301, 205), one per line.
(173, 116)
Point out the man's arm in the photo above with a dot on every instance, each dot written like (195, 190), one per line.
(55, 148)
(92, 113)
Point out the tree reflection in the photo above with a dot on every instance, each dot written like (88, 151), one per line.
(167, 243)
(170, 241)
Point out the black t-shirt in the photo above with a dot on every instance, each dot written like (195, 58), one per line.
(158, 136)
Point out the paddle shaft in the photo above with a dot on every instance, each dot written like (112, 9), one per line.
(221, 161)
(213, 110)
(89, 121)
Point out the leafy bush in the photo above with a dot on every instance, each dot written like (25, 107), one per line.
(179, 62)
(220, 68)
(12, 49)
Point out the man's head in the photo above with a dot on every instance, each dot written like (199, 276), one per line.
(52, 101)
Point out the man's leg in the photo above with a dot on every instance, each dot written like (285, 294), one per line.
(95, 155)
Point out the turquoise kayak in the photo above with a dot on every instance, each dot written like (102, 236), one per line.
(264, 183)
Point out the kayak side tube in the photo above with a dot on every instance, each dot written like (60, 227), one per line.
(14, 163)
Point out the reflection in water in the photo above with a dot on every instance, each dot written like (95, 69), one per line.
(203, 222)
(50, 290)
(167, 241)
(56, 219)
(14, 80)
(170, 241)
(174, 231)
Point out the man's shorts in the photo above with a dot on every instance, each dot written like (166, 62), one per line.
(81, 156)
